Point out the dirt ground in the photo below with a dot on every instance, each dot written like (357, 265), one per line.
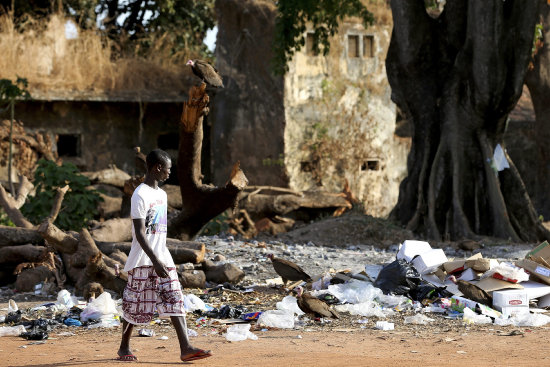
(368, 347)
(340, 343)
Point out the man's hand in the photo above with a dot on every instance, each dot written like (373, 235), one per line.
(160, 269)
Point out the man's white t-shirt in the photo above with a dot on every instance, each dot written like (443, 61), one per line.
(149, 204)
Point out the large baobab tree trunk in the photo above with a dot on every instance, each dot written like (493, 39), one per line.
(201, 202)
(458, 76)
(538, 82)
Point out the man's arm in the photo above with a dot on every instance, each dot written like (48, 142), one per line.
(139, 227)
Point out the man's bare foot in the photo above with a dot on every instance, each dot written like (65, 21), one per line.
(192, 354)
(126, 355)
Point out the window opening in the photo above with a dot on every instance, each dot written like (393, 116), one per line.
(68, 145)
(353, 46)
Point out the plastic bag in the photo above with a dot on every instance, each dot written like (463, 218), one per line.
(103, 307)
(12, 330)
(398, 277)
(418, 319)
(471, 317)
(64, 298)
(192, 303)
(354, 291)
(368, 309)
(240, 332)
(290, 305)
(507, 272)
(277, 318)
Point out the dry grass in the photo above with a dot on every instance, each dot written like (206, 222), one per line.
(42, 54)
(381, 11)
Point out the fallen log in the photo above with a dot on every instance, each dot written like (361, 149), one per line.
(21, 254)
(113, 230)
(13, 236)
(263, 205)
(181, 251)
(110, 176)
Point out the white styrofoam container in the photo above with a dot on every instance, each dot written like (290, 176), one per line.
(511, 301)
(410, 248)
(429, 261)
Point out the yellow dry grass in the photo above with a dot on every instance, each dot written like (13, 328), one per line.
(51, 62)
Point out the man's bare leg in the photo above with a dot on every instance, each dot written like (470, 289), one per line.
(187, 351)
(124, 351)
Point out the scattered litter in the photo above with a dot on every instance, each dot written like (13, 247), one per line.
(277, 318)
(146, 332)
(241, 332)
(164, 337)
(418, 319)
(384, 325)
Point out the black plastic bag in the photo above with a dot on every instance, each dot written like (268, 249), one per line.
(398, 278)
(428, 291)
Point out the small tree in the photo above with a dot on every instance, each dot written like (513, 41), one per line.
(9, 93)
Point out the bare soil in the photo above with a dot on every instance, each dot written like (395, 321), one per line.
(416, 346)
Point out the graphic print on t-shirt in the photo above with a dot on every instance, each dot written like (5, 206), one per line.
(155, 219)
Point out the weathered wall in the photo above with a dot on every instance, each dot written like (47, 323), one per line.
(108, 130)
(247, 117)
(340, 122)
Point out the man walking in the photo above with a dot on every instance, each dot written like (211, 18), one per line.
(152, 278)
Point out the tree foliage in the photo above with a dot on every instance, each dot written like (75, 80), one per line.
(323, 15)
(79, 203)
(134, 25)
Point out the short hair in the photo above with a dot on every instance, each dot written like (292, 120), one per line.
(156, 156)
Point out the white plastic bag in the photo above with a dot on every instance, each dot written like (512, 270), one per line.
(103, 307)
(418, 319)
(290, 304)
(277, 318)
(64, 298)
(11, 330)
(192, 303)
(239, 332)
(507, 272)
(471, 317)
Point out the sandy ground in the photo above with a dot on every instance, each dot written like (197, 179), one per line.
(368, 347)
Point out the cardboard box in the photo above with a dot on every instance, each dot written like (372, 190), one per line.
(535, 269)
(535, 289)
(510, 298)
(428, 262)
(491, 284)
(481, 265)
(540, 254)
(459, 265)
(409, 249)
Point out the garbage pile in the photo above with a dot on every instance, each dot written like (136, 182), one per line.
(476, 289)
(67, 311)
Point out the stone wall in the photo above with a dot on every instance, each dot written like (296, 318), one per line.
(340, 120)
(106, 131)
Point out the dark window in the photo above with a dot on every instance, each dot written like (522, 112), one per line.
(68, 145)
(368, 46)
(371, 165)
(168, 141)
(353, 46)
(310, 41)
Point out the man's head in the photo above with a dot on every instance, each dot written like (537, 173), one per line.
(158, 164)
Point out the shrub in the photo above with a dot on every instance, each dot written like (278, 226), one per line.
(79, 204)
